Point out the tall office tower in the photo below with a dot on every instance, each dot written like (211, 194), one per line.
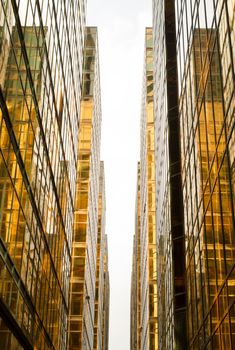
(148, 273)
(207, 106)
(106, 297)
(133, 301)
(83, 275)
(194, 43)
(135, 324)
(41, 47)
(169, 197)
(101, 260)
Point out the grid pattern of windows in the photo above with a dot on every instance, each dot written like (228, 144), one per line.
(205, 52)
(106, 296)
(83, 276)
(134, 291)
(194, 53)
(41, 45)
(100, 256)
(148, 207)
(169, 199)
(135, 329)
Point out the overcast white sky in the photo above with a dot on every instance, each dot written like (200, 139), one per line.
(121, 26)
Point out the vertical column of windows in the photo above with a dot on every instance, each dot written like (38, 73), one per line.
(206, 85)
(42, 98)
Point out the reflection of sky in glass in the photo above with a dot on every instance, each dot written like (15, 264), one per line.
(202, 18)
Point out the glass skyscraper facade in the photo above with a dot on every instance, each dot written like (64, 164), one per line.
(101, 300)
(194, 137)
(135, 304)
(105, 290)
(148, 206)
(50, 126)
(194, 148)
(41, 53)
(207, 102)
(169, 199)
(134, 296)
(145, 269)
(89, 300)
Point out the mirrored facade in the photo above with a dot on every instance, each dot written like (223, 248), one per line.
(41, 48)
(135, 303)
(207, 102)
(145, 264)
(86, 210)
(194, 143)
(169, 202)
(106, 298)
(134, 296)
(102, 286)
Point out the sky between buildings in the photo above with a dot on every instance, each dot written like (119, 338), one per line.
(121, 28)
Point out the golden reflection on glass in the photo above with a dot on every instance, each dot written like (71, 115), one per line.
(77, 287)
(87, 209)
(211, 244)
(145, 265)
(151, 196)
(38, 152)
(16, 209)
(100, 268)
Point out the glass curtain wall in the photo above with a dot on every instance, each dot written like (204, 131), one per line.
(205, 52)
(99, 291)
(41, 45)
(172, 331)
(148, 207)
(83, 276)
(106, 296)
(135, 329)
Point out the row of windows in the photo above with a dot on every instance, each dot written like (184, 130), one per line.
(205, 60)
(41, 64)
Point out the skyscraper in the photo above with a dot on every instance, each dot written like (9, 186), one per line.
(134, 296)
(101, 299)
(169, 197)
(208, 185)
(40, 75)
(106, 296)
(135, 314)
(194, 127)
(147, 239)
(85, 326)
